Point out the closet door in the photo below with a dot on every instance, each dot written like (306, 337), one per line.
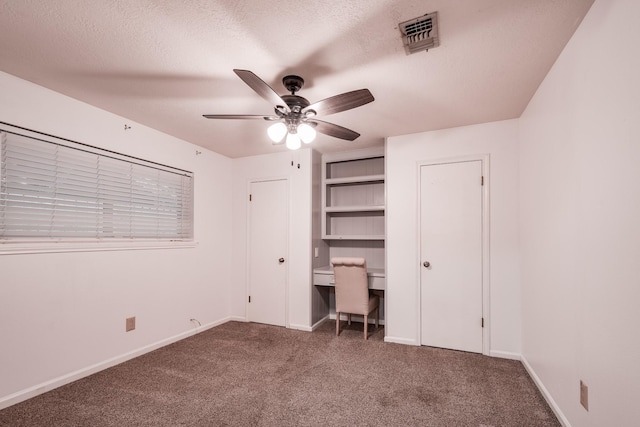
(267, 247)
(451, 255)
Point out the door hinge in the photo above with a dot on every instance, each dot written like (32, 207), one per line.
(482, 322)
(482, 180)
(249, 197)
(249, 298)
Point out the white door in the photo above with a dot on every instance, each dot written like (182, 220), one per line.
(451, 255)
(268, 220)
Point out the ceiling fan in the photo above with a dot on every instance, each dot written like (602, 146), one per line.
(294, 116)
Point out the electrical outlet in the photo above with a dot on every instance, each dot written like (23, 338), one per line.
(584, 395)
(131, 324)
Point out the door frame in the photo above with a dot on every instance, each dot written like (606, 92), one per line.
(248, 244)
(486, 287)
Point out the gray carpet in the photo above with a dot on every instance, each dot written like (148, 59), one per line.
(246, 374)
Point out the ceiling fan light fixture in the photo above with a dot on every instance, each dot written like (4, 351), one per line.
(294, 116)
(306, 133)
(277, 131)
(293, 141)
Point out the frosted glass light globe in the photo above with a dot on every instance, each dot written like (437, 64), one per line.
(306, 132)
(277, 131)
(293, 141)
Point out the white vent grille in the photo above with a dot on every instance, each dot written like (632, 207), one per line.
(420, 34)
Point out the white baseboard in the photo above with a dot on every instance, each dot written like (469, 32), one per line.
(46, 386)
(505, 355)
(545, 393)
(320, 322)
(237, 319)
(301, 327)
(398, 340)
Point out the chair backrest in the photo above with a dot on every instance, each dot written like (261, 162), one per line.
(352, 289)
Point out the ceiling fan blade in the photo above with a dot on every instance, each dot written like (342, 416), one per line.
(238, 116)
(261, 88)
(342, 102)
(334, 130)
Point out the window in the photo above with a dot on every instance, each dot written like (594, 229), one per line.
(53, 189)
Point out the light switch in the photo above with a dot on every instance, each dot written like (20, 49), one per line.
(316, 252)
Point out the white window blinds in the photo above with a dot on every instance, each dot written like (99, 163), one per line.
(50, 190)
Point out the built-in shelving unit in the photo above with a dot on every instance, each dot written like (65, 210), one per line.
(352, 222)
(353, 199)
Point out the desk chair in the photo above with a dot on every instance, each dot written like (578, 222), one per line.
(352, 291)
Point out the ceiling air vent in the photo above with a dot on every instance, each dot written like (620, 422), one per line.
(420, 34)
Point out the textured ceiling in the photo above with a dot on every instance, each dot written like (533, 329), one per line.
(164, 63)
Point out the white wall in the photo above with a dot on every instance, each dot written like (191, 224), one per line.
(403, 153)
(570, 164)
(319, 294)
(62, 315)
(278, 165)
(580, 221)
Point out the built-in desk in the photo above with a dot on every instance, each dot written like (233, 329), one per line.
(323, 276)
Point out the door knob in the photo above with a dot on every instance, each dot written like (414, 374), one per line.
(281, 260)
(426, 264)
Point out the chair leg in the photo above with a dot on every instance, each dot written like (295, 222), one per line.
(337, 323)
(366, 323)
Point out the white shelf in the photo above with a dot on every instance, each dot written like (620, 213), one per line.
(339, 209)
(353, 237)
(355, 180)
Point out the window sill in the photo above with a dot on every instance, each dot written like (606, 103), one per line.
(15, 248)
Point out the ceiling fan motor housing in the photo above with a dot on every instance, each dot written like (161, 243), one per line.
(296, 103)
(293, 83)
